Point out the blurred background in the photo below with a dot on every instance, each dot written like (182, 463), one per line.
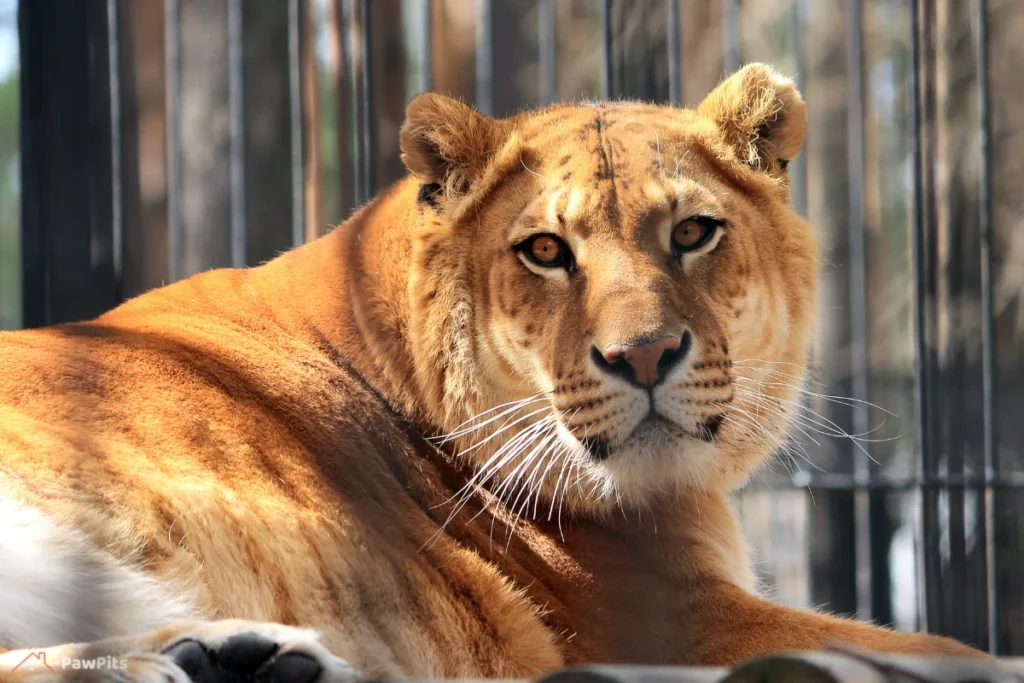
(143, 141)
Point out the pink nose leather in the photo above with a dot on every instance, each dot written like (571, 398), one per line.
(643, 357)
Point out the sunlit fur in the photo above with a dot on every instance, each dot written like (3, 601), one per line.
(399, 435)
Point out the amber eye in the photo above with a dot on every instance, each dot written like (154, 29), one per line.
(547, 251)
(693, 233)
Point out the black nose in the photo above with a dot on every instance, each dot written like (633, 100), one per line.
(644, 364)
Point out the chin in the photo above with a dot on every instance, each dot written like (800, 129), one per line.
(654, 459)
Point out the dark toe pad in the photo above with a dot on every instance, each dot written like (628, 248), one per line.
(245, 653)
(291, 668)
(195, 660)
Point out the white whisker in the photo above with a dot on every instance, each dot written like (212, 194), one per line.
(462, 430)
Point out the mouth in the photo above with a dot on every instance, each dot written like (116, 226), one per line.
(706, 431)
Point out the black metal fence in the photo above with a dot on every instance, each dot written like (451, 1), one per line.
(219, 132)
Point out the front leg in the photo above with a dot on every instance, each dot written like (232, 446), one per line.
(226, 651)
(737, 626)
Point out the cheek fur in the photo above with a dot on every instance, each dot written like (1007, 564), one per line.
(517, 328)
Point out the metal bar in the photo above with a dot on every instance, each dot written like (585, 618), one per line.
(917, 237)
(858, 298)
(426, 46)
(484, 50)
(341, 62)
(732, 39)
(954, 593)
(116, 150)
(672, 39)
(934, 503)
(355, 50)
(548, 40)
(313, 221)
(131, 245)
(369, 129)
(98, 262)
(798, 166)
(919, 260)
(987, 322)
(882, 530)
(298, 160)
(930, 566)
(857, 233)
(608, 46)
(833, 565)
(172, 65)
(236, 116)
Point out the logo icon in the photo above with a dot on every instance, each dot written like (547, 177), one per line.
(39, 656)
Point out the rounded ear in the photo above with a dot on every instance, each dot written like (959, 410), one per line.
(446, 142)
(761, 114)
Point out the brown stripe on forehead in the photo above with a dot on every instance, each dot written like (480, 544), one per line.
(605, 175)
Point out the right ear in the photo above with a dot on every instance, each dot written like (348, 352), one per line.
(448, 143)
(761, 115)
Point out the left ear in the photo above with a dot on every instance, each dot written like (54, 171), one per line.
(761, 115)
(447, 142)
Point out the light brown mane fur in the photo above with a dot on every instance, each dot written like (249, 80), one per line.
(260, 443)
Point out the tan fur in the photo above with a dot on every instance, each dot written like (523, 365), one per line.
(257, 440)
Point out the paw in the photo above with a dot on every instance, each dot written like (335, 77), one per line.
(238, 651)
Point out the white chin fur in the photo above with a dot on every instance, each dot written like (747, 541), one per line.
(653, 460)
